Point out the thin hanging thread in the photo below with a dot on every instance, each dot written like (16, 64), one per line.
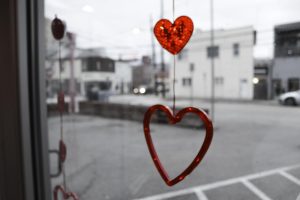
(174, 72)
(60, 89)
(174, 81)
(61, 112)
(173, 11)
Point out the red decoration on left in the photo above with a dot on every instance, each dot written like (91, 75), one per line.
(61, 102)
(174, 37)
(66, 195)
(62, 151)
(58, 28)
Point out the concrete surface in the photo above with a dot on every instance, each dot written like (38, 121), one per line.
(109, 159)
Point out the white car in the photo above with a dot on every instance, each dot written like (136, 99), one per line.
(290, 98)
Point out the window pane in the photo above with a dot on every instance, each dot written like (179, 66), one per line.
(114, 69)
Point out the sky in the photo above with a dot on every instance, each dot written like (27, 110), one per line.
(122, 27)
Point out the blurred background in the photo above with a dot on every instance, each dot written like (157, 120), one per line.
(242, 66)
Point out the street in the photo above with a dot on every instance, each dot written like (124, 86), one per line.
(254, 154)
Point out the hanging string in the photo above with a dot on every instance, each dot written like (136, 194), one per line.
(174, 81)
(60, 89)
(58, 30)
(173, 11)
(174, 71)
(61, 94)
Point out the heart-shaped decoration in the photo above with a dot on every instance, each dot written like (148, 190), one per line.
(58, 28)
(61, 102)
(62, 151)
(173, 120)
(66, 195)
(174, 37)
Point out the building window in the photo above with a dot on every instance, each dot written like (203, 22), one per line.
(91, 64)
(293, 84)
(213, 52)
(186, 82)
(263, 71)
(183, 54)
(83, 65)
(244, 80)
(286, 40)
(107, 65)
(236, 49)
(192, 67)
(219, 80)
(98, 64)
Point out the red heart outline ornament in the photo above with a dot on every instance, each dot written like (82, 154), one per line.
(173, 120)
(66, 195)
(174, 37)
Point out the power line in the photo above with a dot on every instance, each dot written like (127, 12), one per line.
(113, 46)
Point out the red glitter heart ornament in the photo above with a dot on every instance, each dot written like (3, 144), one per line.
(66, 195)
(174, 37)
(173, 120)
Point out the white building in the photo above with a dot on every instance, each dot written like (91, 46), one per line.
(92, 73)
(234, 62)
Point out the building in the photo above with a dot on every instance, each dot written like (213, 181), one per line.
(143, 73)
(94, 75)
(105, 75)
(286, 69)
(233, 55)
(262, 79)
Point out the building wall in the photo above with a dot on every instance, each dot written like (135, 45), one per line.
(121, 74)
(143, 75)
(123, 77)
(287, 58)
(285, 68)
(236, 71)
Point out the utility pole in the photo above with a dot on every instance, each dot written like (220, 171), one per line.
(72, 83)
(192, 68)
(213, 53)
(152, 43)
(153, 56)
(163, 69)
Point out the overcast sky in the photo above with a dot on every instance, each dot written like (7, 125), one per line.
(123, 26)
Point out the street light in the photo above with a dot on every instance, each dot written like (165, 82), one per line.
(255, 80)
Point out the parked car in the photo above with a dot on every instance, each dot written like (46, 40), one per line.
(290, 98)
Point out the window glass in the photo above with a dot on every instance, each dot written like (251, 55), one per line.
(114, 69)
(219, 80)
(213, 52)
(236, 49)
(186, 81)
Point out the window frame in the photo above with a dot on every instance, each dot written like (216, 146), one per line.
(26, 158)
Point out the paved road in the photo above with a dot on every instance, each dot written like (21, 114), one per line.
(250, 158)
